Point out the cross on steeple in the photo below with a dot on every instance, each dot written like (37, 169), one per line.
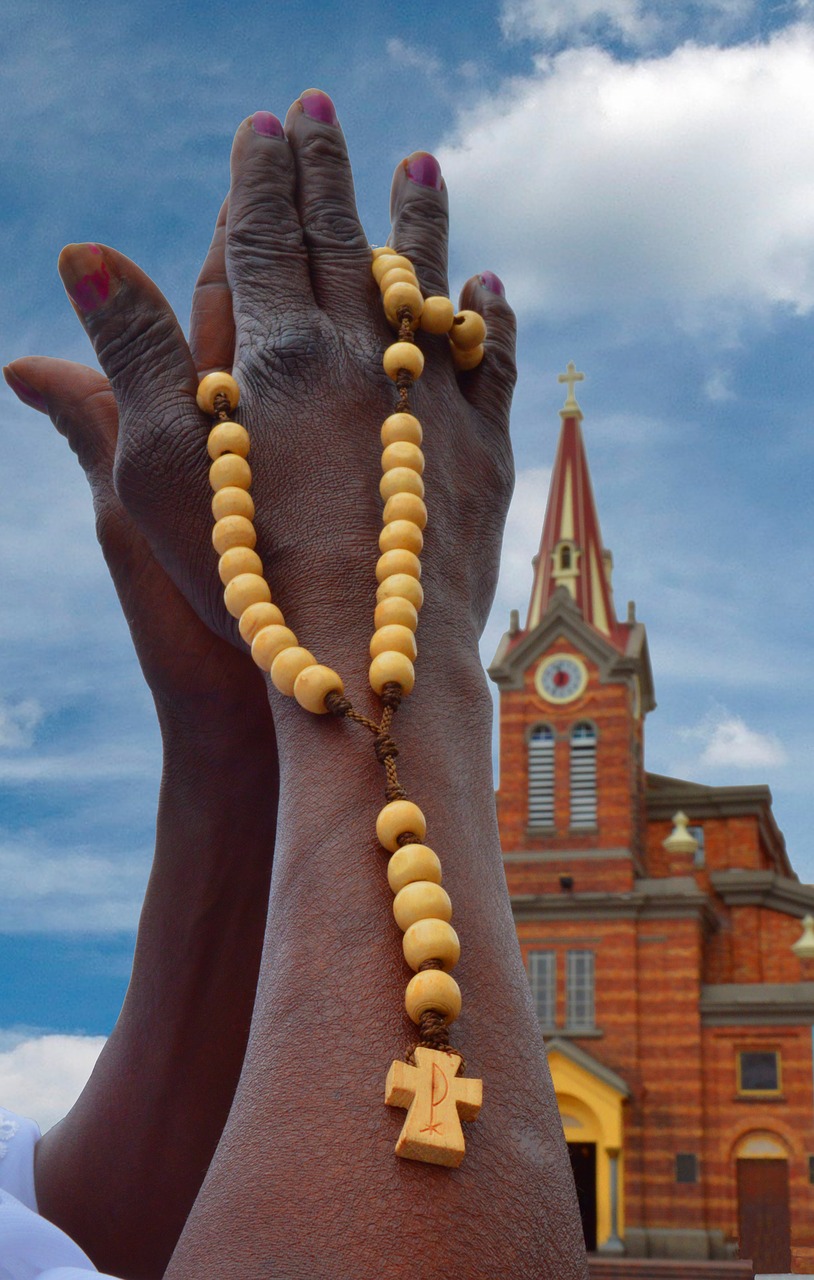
(571, 376)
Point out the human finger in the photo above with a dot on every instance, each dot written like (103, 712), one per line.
(489, 386)
(78, 400)
(211, 324)
(338, 249)
(419, 216)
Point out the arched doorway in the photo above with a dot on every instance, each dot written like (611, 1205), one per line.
(764, 1220)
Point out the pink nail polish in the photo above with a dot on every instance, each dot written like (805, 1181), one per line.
(424, 169)
(87, 276)
(25, 393)
(493, 283)
(266, 124)
(319, 106)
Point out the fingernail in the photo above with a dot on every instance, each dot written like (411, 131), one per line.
(424, 169)
(25, 393)
(268, 125)
(493, 283)
(87, 276)
(318, 106)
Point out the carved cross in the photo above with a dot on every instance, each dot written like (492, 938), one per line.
(571, 376)
(438, 1100)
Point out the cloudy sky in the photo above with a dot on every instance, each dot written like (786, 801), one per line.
(642, 177)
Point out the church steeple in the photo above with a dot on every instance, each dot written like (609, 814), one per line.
(571, 553)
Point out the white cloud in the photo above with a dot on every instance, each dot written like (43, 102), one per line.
(638, 22)
(68, 890)
(410, 55)
(42, 1076)
(523, 524)
(729, 742)
(674, 182)
(18, 720)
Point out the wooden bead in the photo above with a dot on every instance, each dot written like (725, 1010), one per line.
(400, 295)
(431, 940)
(232, 502)
(413, 862)
(401, 480)
(270, 641)
(380, 267)
(228, 437)
(398, 561)
(382, 250)
(238, 560)
(259, 615)
(313, 684)
(403, 454)
(433, 989)
(287, 666)
(215, 384)
(468, 330)
(421, 900)
(234, 531)
(391, 667)
(396, 819)
(394, 638)
(244, 590)
(230, 469)
(399, 535)
(401, 584)
(466, 360)
(405, 506)
(398, 275)
(401, 426)
(403, 355)
(395, 611)
(437, 315)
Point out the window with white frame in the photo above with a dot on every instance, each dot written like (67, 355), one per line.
(583, 775)
(579, 991)
(542, 969)
(697, 833)
(541, 776)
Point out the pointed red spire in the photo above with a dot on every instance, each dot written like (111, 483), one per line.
(571, 551)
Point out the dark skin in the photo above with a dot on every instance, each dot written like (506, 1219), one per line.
(304, 1182)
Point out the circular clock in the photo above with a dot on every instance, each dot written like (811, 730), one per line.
(561, 678)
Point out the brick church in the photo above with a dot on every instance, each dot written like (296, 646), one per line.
(664, 931)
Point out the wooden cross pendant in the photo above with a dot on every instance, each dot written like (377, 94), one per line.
(438, 1100)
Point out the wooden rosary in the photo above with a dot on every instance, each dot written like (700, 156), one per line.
(428, 1083)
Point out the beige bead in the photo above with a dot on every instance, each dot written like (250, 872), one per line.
(259, 615)
(395, 611)
(287, 666)
(232, 502)
(400, 295)
(465, 360)
(391, 667)
(230, 469)
(468, 330)
(270, 641)
(399, 535)
(401, 584)
(234, 531)
(228, 437)
(401, 480)
(398, 561)
(413, 862)
(215, 384)
(405, 506)
(394, 638)
(244, 590)
(380, 267)
(396, 819)
(403, 355)
(239, 560)
(398, 275)
(401, 426)
(403, 454)
(433, 989)
(312, 686)
(431, 940)
(421, 900)
(437, 314)
(382, 251)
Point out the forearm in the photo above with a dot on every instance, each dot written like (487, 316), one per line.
(135, 1147)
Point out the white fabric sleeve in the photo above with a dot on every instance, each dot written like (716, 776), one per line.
(18, 1138)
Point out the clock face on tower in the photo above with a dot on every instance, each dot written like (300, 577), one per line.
(561, 678)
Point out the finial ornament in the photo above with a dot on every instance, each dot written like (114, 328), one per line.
(803, 948)
(571, 376)
(680, 840)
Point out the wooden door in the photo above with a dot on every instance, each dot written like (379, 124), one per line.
(764, 1224)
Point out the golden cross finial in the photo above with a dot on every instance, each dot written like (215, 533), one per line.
(571, 376)
(438, 1100)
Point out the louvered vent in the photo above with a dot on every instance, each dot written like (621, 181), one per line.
(583, 775)
(541, 777)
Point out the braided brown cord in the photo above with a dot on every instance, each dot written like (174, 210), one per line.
(221, 403)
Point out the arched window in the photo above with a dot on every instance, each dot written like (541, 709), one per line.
(583, 775)
(565, 556)
(541, 776)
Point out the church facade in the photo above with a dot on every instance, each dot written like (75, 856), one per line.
(662, 926)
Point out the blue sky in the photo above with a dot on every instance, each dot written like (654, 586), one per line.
(641, 176)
